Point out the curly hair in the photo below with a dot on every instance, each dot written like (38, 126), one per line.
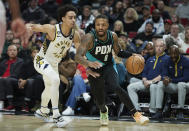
(62, 11)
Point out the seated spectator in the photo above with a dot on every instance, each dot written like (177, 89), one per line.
(175, 35)
(175, 20)
(118, 27)
(185, 46)
(130, 21)
(167, 26)
(80, 86)
(165, 14)
(157, 20)
(174, 75)
(138, 41)
(182, 11)
(8, 41)
(27, 81)
(145, 15)
(10, 68)
(148, 50)
(84, 20)
(34, 13)
(150, 76)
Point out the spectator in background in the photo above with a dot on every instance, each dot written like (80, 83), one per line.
(130, 22)
(167, 26)
(34, 13)
(148, 50)
(53, 21)
(174, 35)
(50, 7)
(164, 13)
(8, 41)
(185, 46)
(141, 38)
(150, 76)
(157, 20)
(80, 86)
(118, 27)
(174, 74)
(175, 20)
(10, 68)
(145, 15)
(117, 12)
(86, 18)
(182, 11)
(126, 4)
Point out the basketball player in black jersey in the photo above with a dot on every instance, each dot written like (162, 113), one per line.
(97, 46)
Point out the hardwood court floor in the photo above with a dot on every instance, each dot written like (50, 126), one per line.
(30, 123)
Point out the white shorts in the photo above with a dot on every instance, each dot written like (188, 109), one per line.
(43, 66)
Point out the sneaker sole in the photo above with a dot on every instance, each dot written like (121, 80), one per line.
(64, 123)
(42, 118)
(145, 122)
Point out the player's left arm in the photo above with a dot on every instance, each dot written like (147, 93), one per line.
(77, 39)
(117, 49)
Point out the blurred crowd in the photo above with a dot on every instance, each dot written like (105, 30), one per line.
(156, 29)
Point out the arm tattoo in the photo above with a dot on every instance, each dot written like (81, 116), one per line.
(85, 45)
(116, 44)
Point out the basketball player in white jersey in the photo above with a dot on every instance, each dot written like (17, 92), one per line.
(59, 39)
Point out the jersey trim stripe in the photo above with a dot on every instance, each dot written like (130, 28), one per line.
(91, 58)
(55, 34)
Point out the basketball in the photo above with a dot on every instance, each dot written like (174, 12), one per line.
(135, 64)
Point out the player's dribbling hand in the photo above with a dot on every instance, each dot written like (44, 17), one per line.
(95, 64)
(19, 29)
(92, 73)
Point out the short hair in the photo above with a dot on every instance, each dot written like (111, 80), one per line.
(101, 17)
(64, 9)
(151, 23)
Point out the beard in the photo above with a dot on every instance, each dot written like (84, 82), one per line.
(156, 19)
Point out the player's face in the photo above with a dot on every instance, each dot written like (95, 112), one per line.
(70, 19)
(101, 26)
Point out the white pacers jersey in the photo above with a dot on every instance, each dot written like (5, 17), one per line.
(54, 51)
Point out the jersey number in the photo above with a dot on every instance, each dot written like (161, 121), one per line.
(106, 58)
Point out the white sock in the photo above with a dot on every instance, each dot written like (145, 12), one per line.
(56, 113)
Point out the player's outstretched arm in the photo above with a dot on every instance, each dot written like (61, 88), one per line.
(117, 48)
(86, 44)
(46, 28)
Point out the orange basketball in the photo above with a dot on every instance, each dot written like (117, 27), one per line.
(135, 64)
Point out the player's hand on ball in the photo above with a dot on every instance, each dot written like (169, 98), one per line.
(94, 64)
(92, 73)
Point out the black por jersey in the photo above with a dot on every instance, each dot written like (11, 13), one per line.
(102, 50)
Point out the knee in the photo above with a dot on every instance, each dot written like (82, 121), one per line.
(54, 78)
(130, 88)
(181, 86)
(153, 87)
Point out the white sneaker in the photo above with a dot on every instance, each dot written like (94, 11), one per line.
(140, 119)
(68, 111)
(86, 97)
(43, 116)
(62, 121)
(104, 118)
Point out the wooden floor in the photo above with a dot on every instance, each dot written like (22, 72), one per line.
(30, 123)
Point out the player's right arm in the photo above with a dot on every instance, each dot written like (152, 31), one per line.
(86, 44)
(46, 28)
